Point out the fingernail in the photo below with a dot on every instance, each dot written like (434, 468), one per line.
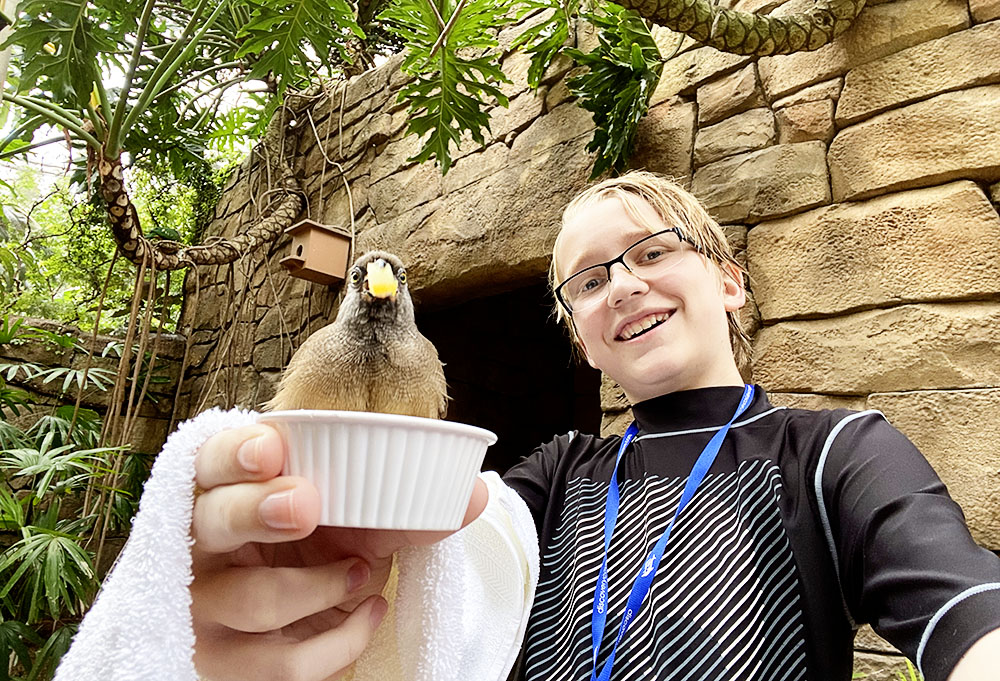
(278, 511)
(358, 576)
(379, 608)
(249, 455)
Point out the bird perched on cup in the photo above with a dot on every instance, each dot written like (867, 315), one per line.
(372, 357)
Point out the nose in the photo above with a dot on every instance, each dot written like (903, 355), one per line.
(623, 284)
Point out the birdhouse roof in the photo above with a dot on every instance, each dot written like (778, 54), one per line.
(306, 225)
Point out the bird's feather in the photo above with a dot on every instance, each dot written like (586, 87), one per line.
(371, 358)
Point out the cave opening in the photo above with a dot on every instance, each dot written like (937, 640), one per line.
(510, 369)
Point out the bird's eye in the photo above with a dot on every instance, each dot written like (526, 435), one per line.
(355, 276)
(402, 277)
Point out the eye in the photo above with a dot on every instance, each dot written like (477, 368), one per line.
(355, 275)
(590, 284)
(652, 253)
(401, 277)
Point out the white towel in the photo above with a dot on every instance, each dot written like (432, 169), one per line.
(460, 610)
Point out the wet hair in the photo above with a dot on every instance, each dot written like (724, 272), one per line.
(676, 207)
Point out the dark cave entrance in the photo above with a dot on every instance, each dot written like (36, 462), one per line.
(510, 370)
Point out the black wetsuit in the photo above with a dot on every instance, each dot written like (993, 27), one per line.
(807, 524)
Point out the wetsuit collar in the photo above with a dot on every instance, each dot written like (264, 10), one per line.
(699, 408)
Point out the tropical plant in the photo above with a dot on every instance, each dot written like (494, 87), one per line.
(177, 63)
(911, 673)
(452, 67)
(48, 576)
(65, 253)
(622, 74)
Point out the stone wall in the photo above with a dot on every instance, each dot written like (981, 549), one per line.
(859, 182)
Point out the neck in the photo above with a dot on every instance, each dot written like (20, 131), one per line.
(724, 374)
(699, 408)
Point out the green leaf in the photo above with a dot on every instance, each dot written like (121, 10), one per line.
(279, 33)
(64, 42)
(451, 86)
(52, 573)
(11, 399)
(10, 331)
(12, 516)
(545, 40)
(623, 71)
(47, 658)
(15, 637)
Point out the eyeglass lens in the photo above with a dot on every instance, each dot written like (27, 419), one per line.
(647, 256)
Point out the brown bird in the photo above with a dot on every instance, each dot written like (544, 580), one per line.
(371, 358)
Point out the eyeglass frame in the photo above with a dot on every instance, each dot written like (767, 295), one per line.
(620, 259)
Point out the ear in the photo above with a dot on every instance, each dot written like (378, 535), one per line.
(734, 293)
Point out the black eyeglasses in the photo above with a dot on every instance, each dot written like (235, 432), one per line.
(646, 257)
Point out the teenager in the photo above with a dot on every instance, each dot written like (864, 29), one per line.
(794, 526)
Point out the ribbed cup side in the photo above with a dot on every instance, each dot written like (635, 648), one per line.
(385, 477)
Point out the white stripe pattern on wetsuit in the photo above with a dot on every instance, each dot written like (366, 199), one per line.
(725, 603)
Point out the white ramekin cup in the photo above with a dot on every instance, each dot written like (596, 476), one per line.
(384, 471)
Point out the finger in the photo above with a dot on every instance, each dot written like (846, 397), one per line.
(254, 452)
(331, 652)
(264, 599)
(279, 510)
(477, 503)
(223, 655)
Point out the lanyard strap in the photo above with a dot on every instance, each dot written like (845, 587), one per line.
(644, 580)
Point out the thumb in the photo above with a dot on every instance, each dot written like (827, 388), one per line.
(478, 501)
(480, 496)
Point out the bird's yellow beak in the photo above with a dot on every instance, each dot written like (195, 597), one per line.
(381, 281)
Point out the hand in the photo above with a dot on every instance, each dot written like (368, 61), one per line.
(274, 596)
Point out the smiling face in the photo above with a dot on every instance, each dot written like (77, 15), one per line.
(653, 334)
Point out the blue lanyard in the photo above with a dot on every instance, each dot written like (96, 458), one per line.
(644, 580)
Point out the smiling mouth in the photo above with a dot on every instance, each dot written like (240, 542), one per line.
(641, 326)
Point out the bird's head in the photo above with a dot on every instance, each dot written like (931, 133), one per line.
(376, 287)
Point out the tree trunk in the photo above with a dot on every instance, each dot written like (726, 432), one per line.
(737, 32)
(170, 255)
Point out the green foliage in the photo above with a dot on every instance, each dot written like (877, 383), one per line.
(65, 39)
(59, 469)
(50, 573)
(623, 72)
(546, 39)
(64, 431)
(64, 248)
(159, 372)
(279, 32)
(450, 83)
(47, 576)
(47, 658)
(15, 637)
(150, 77)
(911, 673)
(11, 399)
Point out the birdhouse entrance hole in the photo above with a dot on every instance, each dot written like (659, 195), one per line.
(319, 252)
(509, 368)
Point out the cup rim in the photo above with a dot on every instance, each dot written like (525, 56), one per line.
(330, 416)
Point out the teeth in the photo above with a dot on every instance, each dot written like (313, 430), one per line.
(637, 327)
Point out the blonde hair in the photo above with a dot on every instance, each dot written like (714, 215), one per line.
(675, 207)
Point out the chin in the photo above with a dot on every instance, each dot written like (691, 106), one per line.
(660, 378)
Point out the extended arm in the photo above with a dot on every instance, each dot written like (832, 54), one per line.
(908, 564)
(981, 662)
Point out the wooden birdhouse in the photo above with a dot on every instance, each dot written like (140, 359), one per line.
(319, 252)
